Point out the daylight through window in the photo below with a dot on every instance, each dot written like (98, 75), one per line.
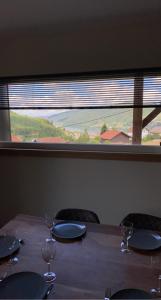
(112, 109)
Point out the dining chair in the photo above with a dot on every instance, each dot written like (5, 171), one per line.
(77, 214)
(143, 221)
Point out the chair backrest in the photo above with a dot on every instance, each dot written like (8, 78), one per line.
(143, 221)
(75, 214)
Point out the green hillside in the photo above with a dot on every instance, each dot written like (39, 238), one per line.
(88, 122)
(29, 128)
(93, 119)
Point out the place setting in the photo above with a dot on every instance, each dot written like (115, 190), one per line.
(68, 231)
(127, 294)
(65, 231)
(102, 262)
(8, 246)
(142, 240)
(146, 242)
(32, 285)
(25, 284)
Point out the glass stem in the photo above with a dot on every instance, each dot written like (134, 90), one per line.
(127, 244)
(159, 278)
(48, 267)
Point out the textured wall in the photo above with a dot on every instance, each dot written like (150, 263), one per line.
(111, 188)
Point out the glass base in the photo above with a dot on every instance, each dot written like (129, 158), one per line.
(125, 250)
(124, 247)
(50, 238)
(49, 276)
(155, 292)
(14, 260)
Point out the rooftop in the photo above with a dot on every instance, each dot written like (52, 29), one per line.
(50, 140)
(110, 134)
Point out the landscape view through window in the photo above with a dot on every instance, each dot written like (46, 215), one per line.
(85, 126)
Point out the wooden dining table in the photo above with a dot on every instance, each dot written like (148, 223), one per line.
(86, 267)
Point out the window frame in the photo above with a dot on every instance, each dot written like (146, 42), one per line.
(115, 152)
(84, 151)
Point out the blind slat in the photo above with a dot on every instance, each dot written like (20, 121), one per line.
(93, 91)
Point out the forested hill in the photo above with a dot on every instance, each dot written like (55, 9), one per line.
(93, 119)
(29, 128)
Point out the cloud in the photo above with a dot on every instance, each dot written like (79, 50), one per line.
(73, 94)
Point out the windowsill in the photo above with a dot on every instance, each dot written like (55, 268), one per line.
(109, 152)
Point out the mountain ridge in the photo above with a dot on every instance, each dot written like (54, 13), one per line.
(93, 119)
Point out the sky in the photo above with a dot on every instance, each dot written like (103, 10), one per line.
(39, 113)
(94, 92)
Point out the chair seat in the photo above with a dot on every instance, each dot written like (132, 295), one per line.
(75, 214)
(143, 221)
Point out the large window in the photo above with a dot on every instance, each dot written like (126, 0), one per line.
(95, 109)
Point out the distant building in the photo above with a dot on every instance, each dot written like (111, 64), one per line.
(145, 132)
(50, 140)
(156, 130)
(115, 137)
(16, 139)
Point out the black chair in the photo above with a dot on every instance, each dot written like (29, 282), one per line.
(143, 221)
(76, 214)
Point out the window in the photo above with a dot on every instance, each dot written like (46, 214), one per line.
(108, 108)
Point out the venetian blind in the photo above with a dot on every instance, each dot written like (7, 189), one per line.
(78, 91)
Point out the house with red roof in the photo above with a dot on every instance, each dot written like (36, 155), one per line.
(115, 137)
(50, 140)
(16, 139)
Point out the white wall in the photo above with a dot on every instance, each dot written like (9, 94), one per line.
(111, 188)
(112, 43)
(9, 188)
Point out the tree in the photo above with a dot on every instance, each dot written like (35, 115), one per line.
(103, 128)
(95, 140)
(84, 137)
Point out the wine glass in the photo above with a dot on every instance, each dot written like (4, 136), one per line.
(107, 294)
(49, 223)
(127, 232)
(48, 254)
(14, 259)
(3, 275)
(155, 265)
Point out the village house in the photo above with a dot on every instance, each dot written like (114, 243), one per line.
(16, 139)
(145, 132)
(115, 137)
(49, 140)
(156, 130)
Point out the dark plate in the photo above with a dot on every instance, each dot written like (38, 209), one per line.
(145, 240)
(23, 285)
(131, 294)
(69, 230)
(8, 245)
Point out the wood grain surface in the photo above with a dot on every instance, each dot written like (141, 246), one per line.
(84, 268)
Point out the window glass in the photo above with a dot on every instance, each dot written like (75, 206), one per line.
(95, 126)
(82, 118)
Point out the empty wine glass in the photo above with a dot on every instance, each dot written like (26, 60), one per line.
(49, 223)
(156, 273)
(3, 275)
(127, 232)
(14, 259)
(107, 294)
(48, 254)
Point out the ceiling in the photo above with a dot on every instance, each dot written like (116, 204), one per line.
(24, 14)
